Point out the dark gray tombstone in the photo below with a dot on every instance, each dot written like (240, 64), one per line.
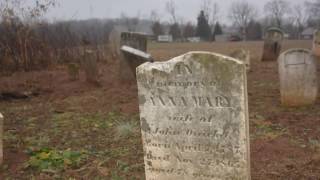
(316, 44)
(272, 44)
(135, 40)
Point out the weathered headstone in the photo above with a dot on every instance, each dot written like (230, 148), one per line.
(298, 77)
(272, 44)
(1, 138)
(194, 118)
(131, 59)
(90, 66)
(243, 56)
(135, 40)
(316, 44)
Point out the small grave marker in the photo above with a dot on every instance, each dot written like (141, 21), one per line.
(298, 77)
(272, 44)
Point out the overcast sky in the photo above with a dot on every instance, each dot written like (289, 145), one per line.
(186, 9)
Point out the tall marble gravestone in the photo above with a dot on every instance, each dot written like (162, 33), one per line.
(298, 77)
(316, 44)
(1, 138)
(272, 44)
(136, 41)
(194, 118)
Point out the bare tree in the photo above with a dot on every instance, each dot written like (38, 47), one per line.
(299, 17)
(278, 10)
(313, 11)
(171, 9)
(241, 13)
(131, 23)
(206, 8)
(214, 14)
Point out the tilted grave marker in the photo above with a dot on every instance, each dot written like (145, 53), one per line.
(138, 42)
(298, 77)
(132, 58)
(194, 118)
(272, 44)
(316, 44)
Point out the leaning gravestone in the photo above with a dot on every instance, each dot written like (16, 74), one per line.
(194, 118)
(298, 77)
(1, 138)
(316, 44)
(136, 41)
(272, 44)
(132, 59)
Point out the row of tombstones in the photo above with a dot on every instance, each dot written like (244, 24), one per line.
(194, 111)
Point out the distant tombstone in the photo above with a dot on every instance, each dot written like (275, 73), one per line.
(1, 138)
(114, 43)
(73, 71)
(272, 44)
(243, 56)
(298, 77)
(90, 66)
(135, 40)
(316, 44)
(132, 58)
(194, 118)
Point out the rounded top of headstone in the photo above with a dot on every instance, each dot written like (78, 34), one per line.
(275, 29)
(297, 50)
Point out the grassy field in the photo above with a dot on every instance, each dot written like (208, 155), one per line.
(74, 130)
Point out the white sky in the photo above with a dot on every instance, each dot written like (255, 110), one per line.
(187, 9)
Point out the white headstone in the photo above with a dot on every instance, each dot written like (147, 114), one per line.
(194, 118)
(298, 77)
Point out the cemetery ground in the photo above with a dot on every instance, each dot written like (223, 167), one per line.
(75, 130)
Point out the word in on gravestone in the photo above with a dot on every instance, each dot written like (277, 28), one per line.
(194, 118)
(298, 77)
(272, 44)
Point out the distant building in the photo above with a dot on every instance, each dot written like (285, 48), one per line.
(165, 38)
(308, 33)
(194, 39)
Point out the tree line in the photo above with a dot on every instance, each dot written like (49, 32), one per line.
(245, 19)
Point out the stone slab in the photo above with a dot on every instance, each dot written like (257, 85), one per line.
(194, 118)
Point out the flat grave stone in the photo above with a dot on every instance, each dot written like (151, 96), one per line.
(298, 77)
(194, 118)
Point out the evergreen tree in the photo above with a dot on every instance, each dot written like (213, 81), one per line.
(217, 30)
(203, 28)
(157, 29)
